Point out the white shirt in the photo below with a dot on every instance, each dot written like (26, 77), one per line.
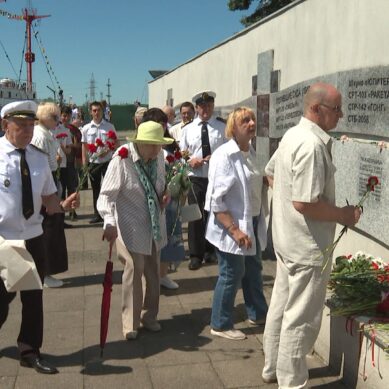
(255, 179)
(176, 131)
(229, 190)
(91, 131)
(191, 141)
(13, 225)
(303, 171)
(65, 141)
(122, 202)
(44, 140)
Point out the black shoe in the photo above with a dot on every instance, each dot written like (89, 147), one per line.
(37, 363)
(210, 258)
(195, 263)
(66, 225)
(96, 219)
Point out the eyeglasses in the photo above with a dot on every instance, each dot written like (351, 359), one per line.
(336, 108)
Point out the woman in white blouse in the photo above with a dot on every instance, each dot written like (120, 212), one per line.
(131, 202)
(56, 260)
(234, 204)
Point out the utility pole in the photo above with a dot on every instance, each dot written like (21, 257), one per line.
(92, 88)
(109, 92)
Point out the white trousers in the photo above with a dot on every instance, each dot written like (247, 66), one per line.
(139, 302)
(293, 321)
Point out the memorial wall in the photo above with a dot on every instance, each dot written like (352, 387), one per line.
(360, 140)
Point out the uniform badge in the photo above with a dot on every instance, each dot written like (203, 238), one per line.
(7, 182)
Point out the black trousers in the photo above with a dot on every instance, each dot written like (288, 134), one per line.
(31, 329)
(96, 173)
(198, 245)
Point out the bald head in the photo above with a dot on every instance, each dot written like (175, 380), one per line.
(323, 105)
(317, 94)
(170, 113)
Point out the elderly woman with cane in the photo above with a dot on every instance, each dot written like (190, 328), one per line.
(233, 201)
(131, 202)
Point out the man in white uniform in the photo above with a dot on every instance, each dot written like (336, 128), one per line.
(200, 138)
(98, 128)
(187, 113)
(304, 220)
(26, 183)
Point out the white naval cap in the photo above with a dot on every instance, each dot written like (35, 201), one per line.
(204, 97)
(20, 109)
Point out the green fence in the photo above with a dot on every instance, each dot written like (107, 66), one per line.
(122, 116)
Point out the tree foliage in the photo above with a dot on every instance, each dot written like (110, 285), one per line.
(264, 8)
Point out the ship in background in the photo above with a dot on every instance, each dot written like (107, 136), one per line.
(17, 89)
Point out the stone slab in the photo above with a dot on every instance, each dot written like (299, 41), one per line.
(265, 66)
(365, 104)
(355, 163)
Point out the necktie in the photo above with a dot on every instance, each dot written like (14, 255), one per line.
(205, 146)
(27, 199)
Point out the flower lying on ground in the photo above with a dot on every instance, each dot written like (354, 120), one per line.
(360, 285)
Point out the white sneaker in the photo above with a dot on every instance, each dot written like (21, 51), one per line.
(132, 335)
(51, 282)
(168, 283)
(229, 334)
(257, 322)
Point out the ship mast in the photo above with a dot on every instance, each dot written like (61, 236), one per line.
(29, 15)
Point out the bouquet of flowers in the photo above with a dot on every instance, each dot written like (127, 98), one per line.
(360, 285)
(327, 253)
(96, 150)
(177, 179)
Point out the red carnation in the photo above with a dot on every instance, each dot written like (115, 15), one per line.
(372, 182)
(170, 158)
(177, 154)
(123, 153)
(62, 135)
(110, 145)
(92, 148)
(99, 142)
(111, 135)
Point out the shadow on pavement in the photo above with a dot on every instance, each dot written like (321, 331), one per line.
(180, 333)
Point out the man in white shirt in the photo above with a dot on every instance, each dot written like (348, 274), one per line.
(200, 138)
(187, 113)
(98, 128)
(26, 183)
(304, 220)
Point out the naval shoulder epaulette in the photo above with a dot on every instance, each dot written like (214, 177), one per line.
(221, 119)
(38, 149)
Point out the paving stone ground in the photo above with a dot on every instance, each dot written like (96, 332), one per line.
(182, 355)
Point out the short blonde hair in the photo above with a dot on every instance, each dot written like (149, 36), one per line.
(234, 117)
(47, 111)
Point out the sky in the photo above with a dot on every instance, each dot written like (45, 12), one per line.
(118, 40)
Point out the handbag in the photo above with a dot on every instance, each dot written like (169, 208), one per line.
(17, 267)
(190, 212)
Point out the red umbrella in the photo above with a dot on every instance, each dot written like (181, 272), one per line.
(106, 302)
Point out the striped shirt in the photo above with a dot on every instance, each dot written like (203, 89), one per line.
(122, 202)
